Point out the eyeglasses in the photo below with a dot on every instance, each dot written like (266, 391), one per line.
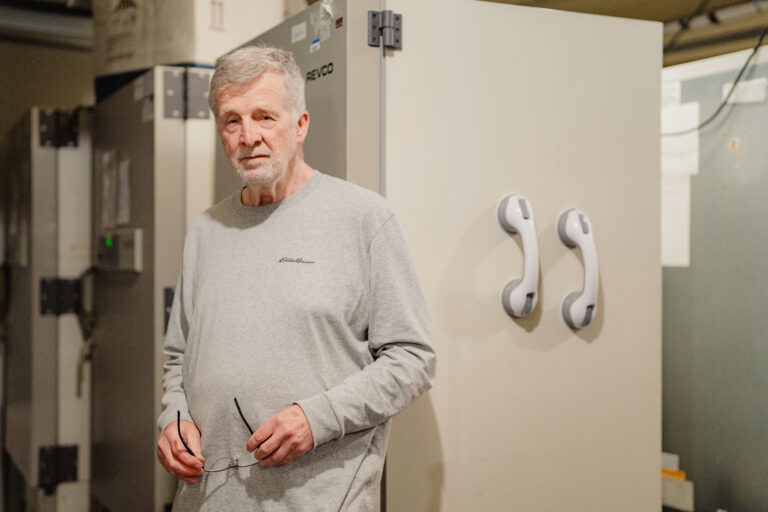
(243, 460)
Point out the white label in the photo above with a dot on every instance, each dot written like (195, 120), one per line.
(299, 32)
(147, 110)
(314, 46)
(675, 220)
(670, 461)
(680, 153)
(138, 90)
(108, 166)
(325, 32)
(670, 93)
(217, 15)
(679, 161)
(677, 494)
(123, 192)
(747, 91)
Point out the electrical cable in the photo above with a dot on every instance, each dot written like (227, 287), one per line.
(684, 25)
(730, 92)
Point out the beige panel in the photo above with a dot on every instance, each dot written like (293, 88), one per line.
(142, 34)
(43, 328)
(74, 248)
(363, 99)
(485, 100)
(222, 26)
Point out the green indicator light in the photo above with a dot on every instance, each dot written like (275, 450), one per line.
(108, 241)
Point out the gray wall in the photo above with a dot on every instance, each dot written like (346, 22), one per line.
(715, 351)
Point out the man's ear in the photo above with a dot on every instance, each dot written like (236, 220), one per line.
(302, 127)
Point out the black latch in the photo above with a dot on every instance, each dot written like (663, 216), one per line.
(59, 296)
(58, 128)
(385, 28)
(57, 464)
(168, 298)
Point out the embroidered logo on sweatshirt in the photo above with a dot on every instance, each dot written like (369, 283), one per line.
(285, 259)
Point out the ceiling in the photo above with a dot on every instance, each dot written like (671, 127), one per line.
(656, 10)
(693, 29)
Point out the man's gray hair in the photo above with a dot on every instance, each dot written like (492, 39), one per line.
(250, 62)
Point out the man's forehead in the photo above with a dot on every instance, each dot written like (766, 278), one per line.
(266, 84)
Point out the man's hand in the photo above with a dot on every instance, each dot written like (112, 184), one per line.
(283, 438)
(175, 458)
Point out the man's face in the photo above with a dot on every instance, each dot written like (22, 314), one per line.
(258, 130)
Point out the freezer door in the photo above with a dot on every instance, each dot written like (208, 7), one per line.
(485, 100)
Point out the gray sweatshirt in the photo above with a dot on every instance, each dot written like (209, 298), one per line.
(312, 300)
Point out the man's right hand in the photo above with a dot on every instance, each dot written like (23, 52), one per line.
(175, 458)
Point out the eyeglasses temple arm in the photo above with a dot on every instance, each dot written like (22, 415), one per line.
(178, 427)
(243, 417)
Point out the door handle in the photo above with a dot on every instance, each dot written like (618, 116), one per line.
(575, 230)
(520, 296)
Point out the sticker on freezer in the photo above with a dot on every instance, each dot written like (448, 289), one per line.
(298, 32)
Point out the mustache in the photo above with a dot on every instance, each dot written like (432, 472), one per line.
(247, 153)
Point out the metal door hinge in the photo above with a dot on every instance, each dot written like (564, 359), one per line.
(385, 28)
(173, 93)
(58, 464)
(58, 128)
(185, 93)
(198, 81)
(59, 296)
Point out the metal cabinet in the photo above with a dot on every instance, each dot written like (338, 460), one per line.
(46, 190)
(153, 156)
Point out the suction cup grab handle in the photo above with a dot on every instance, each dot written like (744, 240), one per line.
(520, 296)
(575, 230)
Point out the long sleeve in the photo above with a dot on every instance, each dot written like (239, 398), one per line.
(174, 398)
(399, 339)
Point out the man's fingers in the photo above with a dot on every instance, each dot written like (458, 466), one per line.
(283, 438)
(176, 459)
(181, 470)
(268, 447)
(278, 457)
(176, 466)
(262, 433)
(191, 437)
(183, 455)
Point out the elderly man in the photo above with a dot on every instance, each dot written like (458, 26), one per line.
(297, 312)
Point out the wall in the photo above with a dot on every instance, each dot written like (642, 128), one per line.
(715, 415)
(41, 75)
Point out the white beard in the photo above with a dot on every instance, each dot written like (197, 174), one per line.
(266, 172)
(261, 175)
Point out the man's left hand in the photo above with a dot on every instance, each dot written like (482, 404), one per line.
(283, 438)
